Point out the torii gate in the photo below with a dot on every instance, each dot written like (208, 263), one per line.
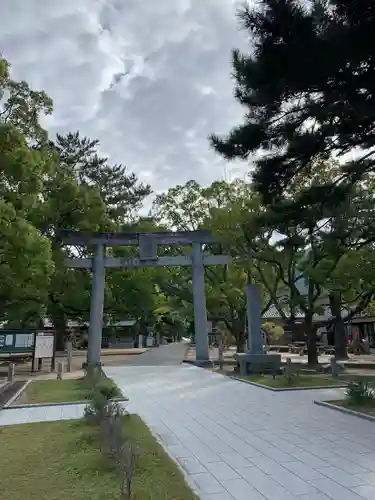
(148, 257)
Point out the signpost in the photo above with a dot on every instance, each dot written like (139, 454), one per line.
(44, 347)
(35, 344)
(148, 257)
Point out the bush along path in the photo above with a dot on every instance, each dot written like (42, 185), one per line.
(359, 400)
(114, 427)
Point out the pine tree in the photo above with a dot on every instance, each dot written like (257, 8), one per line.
(308, 89)
(120, 189)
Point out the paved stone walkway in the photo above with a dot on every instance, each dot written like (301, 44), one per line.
(239, 442)
(40, 414)
(236, 441)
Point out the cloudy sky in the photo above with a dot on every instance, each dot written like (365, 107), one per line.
(149, 78)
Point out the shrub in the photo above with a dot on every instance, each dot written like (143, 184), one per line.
(101, 402)
(127, 462)
(108, 414)
(108, 388)
(359, 393)
(111, 433)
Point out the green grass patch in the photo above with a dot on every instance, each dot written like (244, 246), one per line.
(62, 461)
(280, 381)
(54, 391)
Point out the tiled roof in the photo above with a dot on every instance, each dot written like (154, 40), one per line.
(273, 313)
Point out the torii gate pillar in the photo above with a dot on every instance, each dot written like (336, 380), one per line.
(96, 306)
(199, 301)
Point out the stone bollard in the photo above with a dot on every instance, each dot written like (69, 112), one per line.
(59, 371)
(221, 357)
(11, 368)
(140, 341)
(69, 350)
(334, 370)
(289, 370)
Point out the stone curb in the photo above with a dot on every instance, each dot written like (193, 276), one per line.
(200, 364)
(83, 353)
(63, 403)
(189, 480)
(17, 395)
(359, 365)
(288, 389)
(345, 410)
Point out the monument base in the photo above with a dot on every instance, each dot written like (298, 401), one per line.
(258, 363)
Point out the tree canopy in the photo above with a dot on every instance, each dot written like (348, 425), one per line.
(301, 225)
(307, 88)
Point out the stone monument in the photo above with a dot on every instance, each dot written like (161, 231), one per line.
(256, 360)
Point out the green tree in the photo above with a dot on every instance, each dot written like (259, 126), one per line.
(307, 87)
(191, 207)
(21, 106)
(50, 186)
(25, 267)
(120, 189)
(26, 260)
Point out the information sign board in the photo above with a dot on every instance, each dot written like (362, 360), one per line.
(44, 345)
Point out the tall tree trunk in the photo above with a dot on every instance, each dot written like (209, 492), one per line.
(312, 353)
(240, 345)
(237, 332)
(339, 326)
(59, 324)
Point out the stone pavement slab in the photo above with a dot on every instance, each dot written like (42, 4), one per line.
(12, 416)
(237, 441)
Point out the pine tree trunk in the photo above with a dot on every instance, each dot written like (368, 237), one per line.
(312, 353)
(59, 325)
(240, 347)
(339, 327)
(238, 335)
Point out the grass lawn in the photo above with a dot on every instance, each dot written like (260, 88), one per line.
(61, 461)
(298, 381)
(54, 391)
(368, 409)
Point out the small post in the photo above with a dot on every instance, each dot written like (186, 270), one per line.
(140, 340)
(221, 358)
(40, 364)
(59, 371)
(69, 350)
(289, 370)
(334, 371)
(255, 338)
(11, 368)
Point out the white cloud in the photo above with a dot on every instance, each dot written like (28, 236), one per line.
(149, 79)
